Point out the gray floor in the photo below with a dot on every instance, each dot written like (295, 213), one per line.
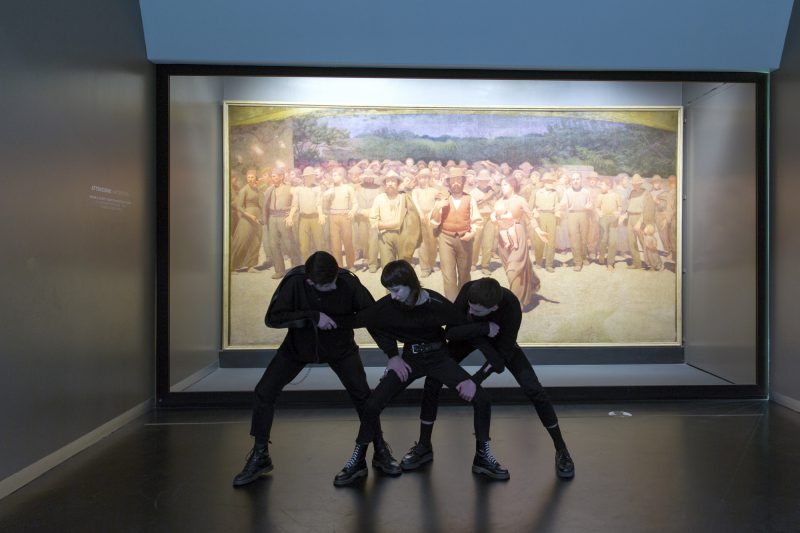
(723, 466)
(323, 378)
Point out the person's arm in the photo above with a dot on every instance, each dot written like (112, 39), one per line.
(290, 218)
(561, 205)
(475, 218)
(495, 361)
(353, 203)
(506, 339)
(482, 373)
(649, 209)
(286, 309)
(415, 199)
(465, 330)
(477, 333)
(375, 213)
(435, 216)
(528, 215)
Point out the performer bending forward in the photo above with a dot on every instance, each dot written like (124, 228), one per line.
(497, 310)
(415, 317)
(304, 303)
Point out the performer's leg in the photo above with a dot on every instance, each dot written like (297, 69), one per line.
(388, 388)
(421, 452)
(522, 370)
(351, 373)
(449, 373)
(278, 374)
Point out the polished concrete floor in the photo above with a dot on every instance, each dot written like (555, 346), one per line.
(723, 466)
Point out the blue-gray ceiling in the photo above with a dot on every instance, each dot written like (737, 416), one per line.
(713, 35)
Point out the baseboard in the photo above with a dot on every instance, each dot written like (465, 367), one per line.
(29, 473)
(785, 401)
(194, 378)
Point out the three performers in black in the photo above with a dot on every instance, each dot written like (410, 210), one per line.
(321, 304)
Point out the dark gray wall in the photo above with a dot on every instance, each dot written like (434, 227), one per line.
(785, 356)
(77, 220)
(195, 219)
(720, 241)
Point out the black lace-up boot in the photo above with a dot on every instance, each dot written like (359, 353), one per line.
(382, 459)
(485, 463)
(354, 468)
(258, 463)
(418, 455)
(565, 468)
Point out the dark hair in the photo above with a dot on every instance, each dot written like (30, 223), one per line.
(485, 292)
(321, 268)
(401, 273)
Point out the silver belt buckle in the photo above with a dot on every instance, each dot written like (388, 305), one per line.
(416, 348)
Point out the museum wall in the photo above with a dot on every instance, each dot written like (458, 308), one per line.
(77, 270)
(195, 256)
(720, 236)
(785, 354)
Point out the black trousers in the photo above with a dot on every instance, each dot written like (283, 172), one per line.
(282, 370)
(437, 365)
(518, 365)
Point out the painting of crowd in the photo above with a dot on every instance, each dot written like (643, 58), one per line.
(454, 219)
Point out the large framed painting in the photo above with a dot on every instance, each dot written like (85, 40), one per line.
(576, 210)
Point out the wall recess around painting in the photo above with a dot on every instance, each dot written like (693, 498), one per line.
(287, 199)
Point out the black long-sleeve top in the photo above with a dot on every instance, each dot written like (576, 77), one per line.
(389, 321)
(296, 305)
(508, 316)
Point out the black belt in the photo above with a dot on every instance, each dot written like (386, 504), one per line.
(424, 347)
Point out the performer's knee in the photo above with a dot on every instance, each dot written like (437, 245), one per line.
(537, 394)
(267, 393)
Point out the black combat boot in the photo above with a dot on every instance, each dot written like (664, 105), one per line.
(382, 459)
(418, 455)
(258, 463)
(565, 468)
(354, 468)
(485, 463)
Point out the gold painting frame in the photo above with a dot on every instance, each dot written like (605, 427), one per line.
(246, 294)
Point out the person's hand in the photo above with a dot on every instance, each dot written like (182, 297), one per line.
(467, 236)
(542, 235)
(325, 322)
(466, 389)
(494, 329)
(400, 367)
(322, 220)
(289, 222)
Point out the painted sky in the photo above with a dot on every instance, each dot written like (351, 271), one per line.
(438, 125)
